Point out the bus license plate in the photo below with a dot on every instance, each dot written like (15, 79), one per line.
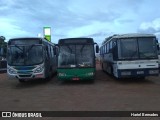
(140, 72)
(75, 78)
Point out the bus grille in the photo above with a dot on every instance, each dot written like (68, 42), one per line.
(25, 75)
(24, 72)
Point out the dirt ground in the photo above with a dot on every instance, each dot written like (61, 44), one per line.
(105, 94)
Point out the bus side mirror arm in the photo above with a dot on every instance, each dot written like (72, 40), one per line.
(97, 48)
(157, 44)
(57, 49)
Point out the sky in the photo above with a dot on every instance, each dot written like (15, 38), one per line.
(78, 18)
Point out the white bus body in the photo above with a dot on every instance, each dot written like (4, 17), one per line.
(130, 55)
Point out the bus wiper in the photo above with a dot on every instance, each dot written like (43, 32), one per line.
(26, 54)
(149, 57)
(19, 48)
(69, 48)
(133, 55)
(82, 48)
(30, 48)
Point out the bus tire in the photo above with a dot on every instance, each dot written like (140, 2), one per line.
(111, 70)
(49, 75)
(142, 78)
(21, 80)
(102, 67)
(93, 81)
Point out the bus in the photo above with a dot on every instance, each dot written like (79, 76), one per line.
(31, 58)
(76, 59)
(130, 55)
(159, 57)
(3, 52)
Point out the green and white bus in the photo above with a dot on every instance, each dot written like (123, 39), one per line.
(31, 58)
(76, 59)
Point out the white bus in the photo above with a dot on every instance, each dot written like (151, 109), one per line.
(31, 58)
(130, 55)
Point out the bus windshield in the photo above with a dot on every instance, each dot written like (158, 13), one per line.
(25, 55)
(76, 56)
(133, 48)
(147, 47)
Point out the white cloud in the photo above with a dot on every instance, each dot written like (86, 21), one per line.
(9, 30)
(89, 29)
(155, 24)
(70, 18)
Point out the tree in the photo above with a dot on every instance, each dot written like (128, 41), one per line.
(3, 46)
(2, 38)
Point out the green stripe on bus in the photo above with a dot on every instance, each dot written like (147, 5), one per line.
(79, 73)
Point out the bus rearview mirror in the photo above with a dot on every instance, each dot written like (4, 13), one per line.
(57, 50)
(97, 49)
(157, 44)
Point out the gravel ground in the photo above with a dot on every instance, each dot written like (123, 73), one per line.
(105, 94)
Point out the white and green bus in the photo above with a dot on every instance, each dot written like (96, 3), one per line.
(76, 59)
(31, 58)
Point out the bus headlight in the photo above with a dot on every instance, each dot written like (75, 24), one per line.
(12, 71)
(39, 69)
(126, 73)
(61, 74)
(154, 72)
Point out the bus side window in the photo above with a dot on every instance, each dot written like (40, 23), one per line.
(114, 49)
(107, 47)
(110, 46)
(114, 44)
(47, 53)
(104, 49)
(51, 49)
(54, 51)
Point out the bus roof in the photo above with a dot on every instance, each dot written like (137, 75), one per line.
(26, 38)
(75, 40)
(130, 35)
(133, 35)
(30, 38)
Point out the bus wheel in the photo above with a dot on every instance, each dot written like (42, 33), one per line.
(111, 70)
(92, 81)
(142, 78)
(21, 80)
(102, 68)
(49, 75)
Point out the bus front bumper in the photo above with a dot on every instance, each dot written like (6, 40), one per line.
(26, 76)
(137, 72)
(76, 74)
